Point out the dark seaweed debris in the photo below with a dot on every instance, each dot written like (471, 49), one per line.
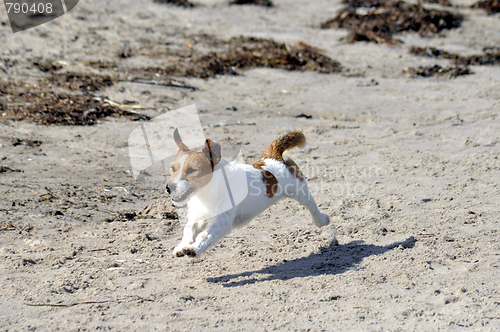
(47, 66)
(47, 107)
(379, 20)
(247, 53)
(490, 57)
(446, 3)
(491, 6)
(305, 116)
(103, 65)
(179, 3)
(28, 142)
(432, 52)
(74, 81)
(264, 3)
(437, 70)
(5, 169)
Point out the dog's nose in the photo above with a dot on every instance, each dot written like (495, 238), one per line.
(170, 188)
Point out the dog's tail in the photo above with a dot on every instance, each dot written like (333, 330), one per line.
(284, 143)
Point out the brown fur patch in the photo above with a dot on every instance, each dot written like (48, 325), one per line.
(270, 182)
(197, 169)
(275, 151)
(286, 142)
(258, 164)
(201, 169)
(198, 165)
(268, 178)
(294, 169)
(212, 151)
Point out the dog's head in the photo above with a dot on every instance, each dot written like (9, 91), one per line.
(191, 170)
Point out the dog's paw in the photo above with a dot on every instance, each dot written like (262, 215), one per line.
(321, 220)
(189, 252)
(178, 253)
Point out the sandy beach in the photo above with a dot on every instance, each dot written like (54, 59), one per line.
(402, 154)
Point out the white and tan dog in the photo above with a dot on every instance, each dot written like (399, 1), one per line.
(202, 178)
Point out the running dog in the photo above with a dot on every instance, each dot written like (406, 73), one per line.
(209, 184)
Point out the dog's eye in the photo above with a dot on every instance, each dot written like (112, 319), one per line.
(189, 171)
(172, 168)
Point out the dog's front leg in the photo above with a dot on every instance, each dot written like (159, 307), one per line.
(216, 230)
(191, 230)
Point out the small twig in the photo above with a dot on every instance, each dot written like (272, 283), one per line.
(172, 84)
(7, 227)
(470, 324)
(132, 299)
(47, 197)
(115, 104)
(126, 108)
(19, 104)
(65, 305)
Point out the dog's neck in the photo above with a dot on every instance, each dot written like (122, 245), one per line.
(214, 193)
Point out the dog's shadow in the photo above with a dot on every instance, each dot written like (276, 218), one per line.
(333, 259)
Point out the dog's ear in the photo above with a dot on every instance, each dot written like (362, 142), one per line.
(212, 151)
(178, 141)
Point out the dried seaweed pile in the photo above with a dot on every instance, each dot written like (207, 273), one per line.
(379, 20)
(432, 52)
(437, 70)
(74, 81)
(179, 3)
(247, 53)
(263, 3)
(490, 57)
(491, 6)
(446, 3)
(188, 4)
(5, 169)
(44, 106)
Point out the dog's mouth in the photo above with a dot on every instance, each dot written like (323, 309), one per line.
(182, 197)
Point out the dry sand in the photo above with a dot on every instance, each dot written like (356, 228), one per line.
(407, 168)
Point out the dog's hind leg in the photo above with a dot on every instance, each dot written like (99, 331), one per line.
(301, 193)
